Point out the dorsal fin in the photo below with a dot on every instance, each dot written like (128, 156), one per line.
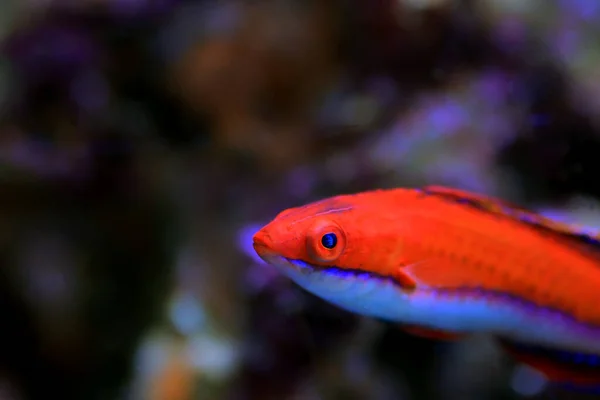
(501, 208)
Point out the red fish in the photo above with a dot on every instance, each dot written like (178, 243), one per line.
(447, 263)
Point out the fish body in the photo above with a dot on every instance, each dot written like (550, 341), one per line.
(452, 262)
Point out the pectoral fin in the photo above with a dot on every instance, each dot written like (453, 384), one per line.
(403, 278)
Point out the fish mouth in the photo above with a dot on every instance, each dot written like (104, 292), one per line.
(261, 246)
(271, 257)
(262, 249)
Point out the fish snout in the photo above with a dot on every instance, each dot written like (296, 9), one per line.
(262, 243)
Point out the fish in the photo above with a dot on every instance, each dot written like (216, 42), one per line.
(445, 263)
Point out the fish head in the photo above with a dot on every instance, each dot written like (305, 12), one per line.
(335, 248)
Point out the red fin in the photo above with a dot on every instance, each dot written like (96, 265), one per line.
(576, 370)
(430, 333)
(403, 278)
(575, 235)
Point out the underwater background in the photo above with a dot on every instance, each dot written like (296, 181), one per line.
(143, 142)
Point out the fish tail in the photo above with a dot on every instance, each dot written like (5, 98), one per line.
(566, 370)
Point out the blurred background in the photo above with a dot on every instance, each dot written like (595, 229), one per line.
(143, 142)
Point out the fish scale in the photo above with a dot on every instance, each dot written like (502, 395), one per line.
(554, 283)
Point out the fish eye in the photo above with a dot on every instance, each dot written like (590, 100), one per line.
(329, 240)
(325, 241)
